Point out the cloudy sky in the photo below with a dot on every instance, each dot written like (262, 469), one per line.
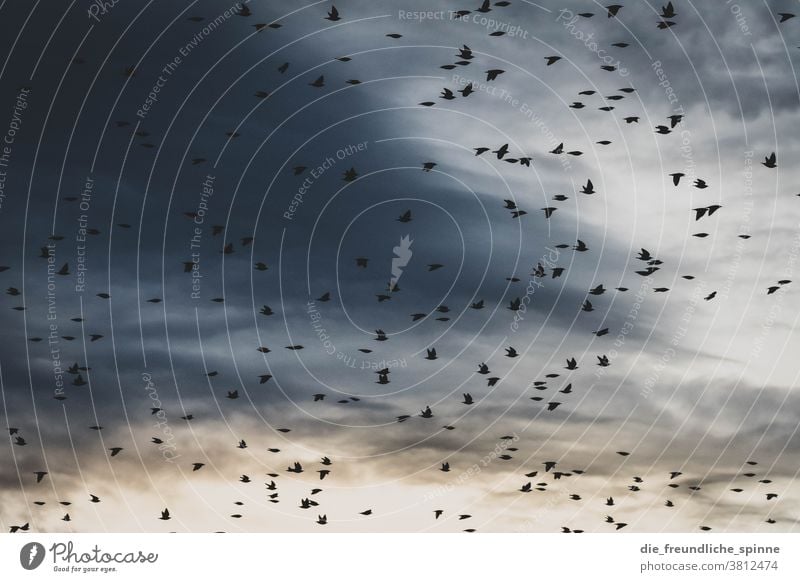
(193, 162)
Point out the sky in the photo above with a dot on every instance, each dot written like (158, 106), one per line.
(233, 190)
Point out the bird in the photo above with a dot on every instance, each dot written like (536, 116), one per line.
(705, 211)
(552, 59)
(667, 11)
(165, 515)
(770, 161)
(333, 14)
(466, 91)
(500, 152)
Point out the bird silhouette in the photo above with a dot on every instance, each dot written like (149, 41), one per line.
(333, 14)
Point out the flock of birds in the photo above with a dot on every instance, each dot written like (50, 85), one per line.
(555, 389)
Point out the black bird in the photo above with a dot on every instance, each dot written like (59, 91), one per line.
(501, 151)
(466, 91)
(667, 11)
(770, 161)
(333, 14)
(707, 211)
